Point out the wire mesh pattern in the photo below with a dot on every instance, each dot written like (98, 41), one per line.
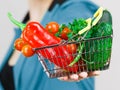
(95, 55)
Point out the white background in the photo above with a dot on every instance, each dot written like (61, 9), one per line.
(18, 8)
(108, 80)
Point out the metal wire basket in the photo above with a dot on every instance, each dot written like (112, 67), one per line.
(95, 55)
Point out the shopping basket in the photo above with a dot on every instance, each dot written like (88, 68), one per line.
(95, 54)
(88, 60)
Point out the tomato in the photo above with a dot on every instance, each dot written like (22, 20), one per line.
(19, 43)
(64, 33)
(72, 48)
(27, 51)
(52, 27)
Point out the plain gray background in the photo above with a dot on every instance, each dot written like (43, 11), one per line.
(108, 80)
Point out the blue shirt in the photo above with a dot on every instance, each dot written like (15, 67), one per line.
(28, 72)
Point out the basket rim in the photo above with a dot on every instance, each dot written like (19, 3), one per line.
(71, 42)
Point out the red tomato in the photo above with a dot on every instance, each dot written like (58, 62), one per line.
(19, 43)
(52, 27)
(72, 48)
(64, 33)
(27, 51)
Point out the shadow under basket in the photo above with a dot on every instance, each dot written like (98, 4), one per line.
(94, 55)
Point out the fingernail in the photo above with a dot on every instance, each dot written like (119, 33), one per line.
(96, 73)
(61, 78)
(83, 74)
(65, 78)
(74, 76)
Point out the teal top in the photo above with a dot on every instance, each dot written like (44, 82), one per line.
(28, 72)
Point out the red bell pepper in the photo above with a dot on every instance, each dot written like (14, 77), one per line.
(36, 35)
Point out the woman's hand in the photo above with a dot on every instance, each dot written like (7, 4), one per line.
(80, 76)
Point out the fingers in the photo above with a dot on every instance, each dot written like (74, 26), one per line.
(94, 73)
(71, 78)
(75, 77)
(83, 74)
(65, 78)
(80, 76)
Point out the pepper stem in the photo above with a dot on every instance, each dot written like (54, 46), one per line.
(19, 24)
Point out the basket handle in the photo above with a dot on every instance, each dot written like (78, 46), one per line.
(92, 21)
